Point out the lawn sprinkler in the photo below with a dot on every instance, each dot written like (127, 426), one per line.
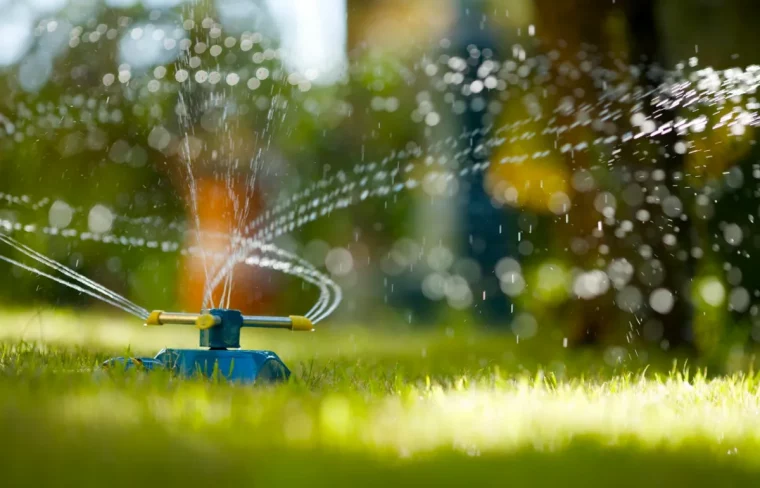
(220, 335)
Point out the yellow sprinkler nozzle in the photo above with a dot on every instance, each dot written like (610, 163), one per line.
(299, 323)
(154, 318)
(206, 321)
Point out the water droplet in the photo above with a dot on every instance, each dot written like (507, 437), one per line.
(661, 300)
(60, 214)
(100, 219)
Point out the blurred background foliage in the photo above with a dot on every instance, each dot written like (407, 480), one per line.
(403, 250)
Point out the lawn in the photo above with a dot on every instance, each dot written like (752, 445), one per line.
(363, 408)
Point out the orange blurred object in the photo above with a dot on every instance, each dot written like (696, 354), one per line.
(217, 200)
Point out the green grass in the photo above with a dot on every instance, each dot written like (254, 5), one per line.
(368, 409)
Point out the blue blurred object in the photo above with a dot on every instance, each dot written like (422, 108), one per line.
(484, 227)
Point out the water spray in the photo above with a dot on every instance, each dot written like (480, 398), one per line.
(219, 327)
(220, 338)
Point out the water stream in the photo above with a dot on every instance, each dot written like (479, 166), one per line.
(212, 74)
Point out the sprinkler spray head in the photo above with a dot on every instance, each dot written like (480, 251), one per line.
(220, 327)
(206, 321)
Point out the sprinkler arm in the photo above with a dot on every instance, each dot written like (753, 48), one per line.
(206, 321)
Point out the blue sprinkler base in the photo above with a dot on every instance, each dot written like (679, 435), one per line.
(233, 365)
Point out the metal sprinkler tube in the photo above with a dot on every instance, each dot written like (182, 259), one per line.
(220, 327)
(208, 320)
(220, 333)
